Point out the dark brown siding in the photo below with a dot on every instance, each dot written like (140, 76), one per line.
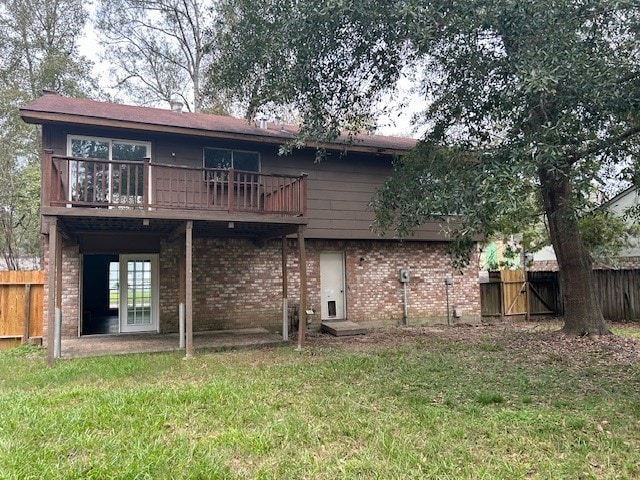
(339, 187)
(339, 192)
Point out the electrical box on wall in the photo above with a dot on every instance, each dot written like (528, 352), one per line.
(403, 275)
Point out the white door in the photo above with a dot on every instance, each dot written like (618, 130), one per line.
(332, 286)
(138, 293)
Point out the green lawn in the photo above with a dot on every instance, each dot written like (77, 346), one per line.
(451, 404)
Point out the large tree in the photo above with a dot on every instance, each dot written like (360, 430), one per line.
(158, 50)
(38, 51)
(527, 99)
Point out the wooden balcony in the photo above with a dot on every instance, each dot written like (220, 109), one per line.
(74, 182)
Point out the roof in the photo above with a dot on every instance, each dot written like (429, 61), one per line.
(620, 196)
(55, 108)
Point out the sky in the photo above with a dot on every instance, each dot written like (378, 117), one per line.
(402, 105)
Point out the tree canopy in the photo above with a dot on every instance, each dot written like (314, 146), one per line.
(38, 50)
(531, 105)
(158, 50)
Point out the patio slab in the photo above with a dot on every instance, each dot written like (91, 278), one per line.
(96, 345)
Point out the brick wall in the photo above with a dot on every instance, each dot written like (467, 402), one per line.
(70, 289)
(238, 284)
(374, 293)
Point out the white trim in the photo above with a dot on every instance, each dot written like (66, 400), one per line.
(155, 304)
(343, 289)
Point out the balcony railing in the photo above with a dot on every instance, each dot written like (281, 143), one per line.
(90, 182)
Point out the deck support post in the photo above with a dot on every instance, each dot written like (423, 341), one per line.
(285, 301)
(57, 328)
(182, 266)
(189, 289)
(181, 325)
(52, 275)
(58, 309)
(302, 310)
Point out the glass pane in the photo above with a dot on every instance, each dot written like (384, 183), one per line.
(247, 161)
(139, 292)
(114, 285)
(89, 148)
(127, 184)
(128, 151)
(217, 158)
(89, 181)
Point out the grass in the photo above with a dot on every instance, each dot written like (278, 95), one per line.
(433, 408)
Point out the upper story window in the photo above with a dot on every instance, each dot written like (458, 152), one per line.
(236, 159)
(112, 172)
(107, 148)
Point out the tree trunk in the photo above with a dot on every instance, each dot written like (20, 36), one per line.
(582, 313)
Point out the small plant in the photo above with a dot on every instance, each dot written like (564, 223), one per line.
(491, 347)
(487, 398)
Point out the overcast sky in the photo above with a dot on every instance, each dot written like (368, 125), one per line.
(402, 105)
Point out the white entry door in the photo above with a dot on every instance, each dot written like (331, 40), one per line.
(332, 286)
(138, 293)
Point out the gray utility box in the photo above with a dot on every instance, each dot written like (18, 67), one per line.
(404, 275)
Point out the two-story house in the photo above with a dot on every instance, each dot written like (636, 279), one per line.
(157, 219)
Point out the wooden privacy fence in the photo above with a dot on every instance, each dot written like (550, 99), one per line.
(21, 302)
(619, 293)
(506, 294)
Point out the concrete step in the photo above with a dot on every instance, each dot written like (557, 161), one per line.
(341, 328)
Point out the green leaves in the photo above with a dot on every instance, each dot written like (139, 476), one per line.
(532, 107)
(38, 50)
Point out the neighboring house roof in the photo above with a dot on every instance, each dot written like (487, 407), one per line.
(618, 205)
(623, 201)
(52, 107)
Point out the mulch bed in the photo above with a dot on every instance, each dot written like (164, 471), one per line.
(542, 340)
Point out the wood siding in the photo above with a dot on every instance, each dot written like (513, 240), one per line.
(339, 188)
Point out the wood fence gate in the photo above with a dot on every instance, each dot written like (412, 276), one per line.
(508, 294)
(21, 302)
(618, 293)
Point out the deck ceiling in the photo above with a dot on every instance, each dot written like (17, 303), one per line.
(75, 226)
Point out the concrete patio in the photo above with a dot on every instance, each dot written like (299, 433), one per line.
(96, 345)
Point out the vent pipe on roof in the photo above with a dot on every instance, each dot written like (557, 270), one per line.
(263, 123)
(176, 105)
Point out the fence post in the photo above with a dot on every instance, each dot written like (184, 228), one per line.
(27, 313)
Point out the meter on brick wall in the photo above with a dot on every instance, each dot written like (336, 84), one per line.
(403, 275)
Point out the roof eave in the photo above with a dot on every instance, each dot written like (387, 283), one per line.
(40, 117)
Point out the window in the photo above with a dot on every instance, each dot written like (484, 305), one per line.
(236, 159)
(108, 181)
(114, 285)
(108, 149)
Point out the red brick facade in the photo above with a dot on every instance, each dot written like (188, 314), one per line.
(238, 283)
(70, 290)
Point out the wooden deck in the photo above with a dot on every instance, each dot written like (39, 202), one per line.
(145, 186)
